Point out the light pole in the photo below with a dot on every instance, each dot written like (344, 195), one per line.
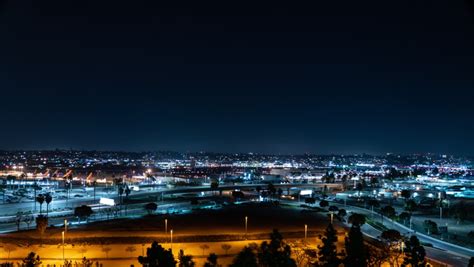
(305, 231)
(171, 238)
(440, 213)
(63, 243)
(332, 217)
(246, 223)
(65, 226)
(166, 226)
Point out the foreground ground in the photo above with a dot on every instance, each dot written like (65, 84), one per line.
(120, 242)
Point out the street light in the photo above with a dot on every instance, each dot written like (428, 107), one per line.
(332, 217)
(171, 235)
(63, 243)
(166, 226)
(65, 225)
(305, 231)
(246, 223)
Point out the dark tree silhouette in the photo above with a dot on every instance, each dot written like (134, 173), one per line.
(246, 258)
(406, 194)
(157, 256)
(32, 260)
(40, 200)
(414, 253)
(226, 248)
(356, 252)
(211, 261)
(271, 189)
(357, 219)
(48, 198)
(83, 212)
(275, 253)
(151, 207)
(185, 260)
(410, 205)
(327, 254)
(323, 203)
(214, 186)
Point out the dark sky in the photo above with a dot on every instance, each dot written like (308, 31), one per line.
(316, 76)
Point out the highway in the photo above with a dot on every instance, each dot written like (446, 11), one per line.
(441, 251)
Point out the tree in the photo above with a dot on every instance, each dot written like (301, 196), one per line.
(323, 203)
(356, 252)
(279, 192)
(226, 248)
(157, 256)
(40, 200)
(271, 189)
(106, 250)
(246, 258)
(430, 226)
(459, 211)
(83, 250)
(86, 262)
(204, 247)
(406, 194)
(373, 203)
(258, 189)
(275, 253)
(359, 188)
(18, 220)
(341, 214)
(32, 260)
(214, 186)
(211, 261)
(376, 256)
(391, 243)
(120, 192)
(130, 249)
(388, 211)
(185, 260)
(9, 248)
(404, 216)
(151, 207)
(28, 219)
(357, 219)
(414, 253)
(3, 189)
(333, 208)
(83, 212)
(327, 254)
(471, 262)
(48, 199)
(410, 205)
(310, 200)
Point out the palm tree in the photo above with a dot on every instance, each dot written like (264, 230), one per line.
(48, 198)
(226, 248)
(40, 199)
(204, 247)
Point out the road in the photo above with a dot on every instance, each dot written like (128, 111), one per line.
(441, 251)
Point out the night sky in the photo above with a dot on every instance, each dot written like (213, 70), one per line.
(315, 77)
